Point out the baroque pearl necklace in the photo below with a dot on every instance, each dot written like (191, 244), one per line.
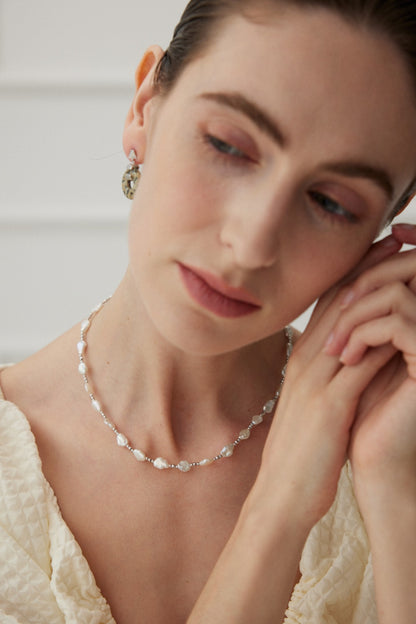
(160, 462)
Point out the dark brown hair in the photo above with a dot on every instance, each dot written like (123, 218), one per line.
(201, 18)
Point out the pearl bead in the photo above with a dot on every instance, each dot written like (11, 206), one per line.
(184, 466)
(96, 405)
(205, 462)
(228, 450)
(82, 368)
(81, 346)
(244, 434)
(85, 325)
(139, 455)
(122, 440)
(269, 407)
(160, 463)
(256, 420)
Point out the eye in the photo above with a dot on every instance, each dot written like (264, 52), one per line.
(225, 148)
(331, 207)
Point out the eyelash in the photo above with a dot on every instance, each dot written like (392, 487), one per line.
(337, 213)
(231, 153)
(226, 150)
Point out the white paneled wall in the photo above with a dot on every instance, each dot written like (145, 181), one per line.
(66, 80)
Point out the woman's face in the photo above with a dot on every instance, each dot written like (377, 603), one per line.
(269, 168)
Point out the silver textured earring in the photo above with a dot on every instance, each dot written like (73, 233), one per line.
(131, 176)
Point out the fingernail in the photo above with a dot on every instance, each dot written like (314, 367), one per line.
(349, 297)
(389, 241)
(344, 355)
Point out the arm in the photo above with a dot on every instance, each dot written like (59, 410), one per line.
(382, 310)
(305, 451)
(254, 577)
(391, 527)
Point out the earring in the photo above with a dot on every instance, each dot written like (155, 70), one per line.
(131, 176)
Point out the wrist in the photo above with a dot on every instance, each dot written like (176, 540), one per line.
(388, 502)
(276, 512)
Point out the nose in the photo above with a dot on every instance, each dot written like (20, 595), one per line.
(254, 228)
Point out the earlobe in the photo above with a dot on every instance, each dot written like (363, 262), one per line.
(136, 122)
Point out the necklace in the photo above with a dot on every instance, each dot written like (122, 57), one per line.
(160, 462)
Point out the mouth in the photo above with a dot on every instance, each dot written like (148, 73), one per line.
(212, 293)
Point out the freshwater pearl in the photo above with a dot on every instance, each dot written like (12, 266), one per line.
(160, 463)
(82, 368)
(227, 451)
(81, 346)
(244, 434)
(85, 325)
(96, 405)
(256, 420)
(205, 462)
(184, 466)
(122, 440)
(139, 455)
(269, 407)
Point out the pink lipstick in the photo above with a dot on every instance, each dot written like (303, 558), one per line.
(212, 293)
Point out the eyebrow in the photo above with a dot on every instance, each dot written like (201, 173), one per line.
(356, 169)
(350, 169)
(263, 121)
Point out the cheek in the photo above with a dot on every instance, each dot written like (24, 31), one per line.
(317, 265)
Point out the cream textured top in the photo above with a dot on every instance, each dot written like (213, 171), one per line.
(45, 579)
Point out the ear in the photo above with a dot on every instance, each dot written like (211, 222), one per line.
(138, 117)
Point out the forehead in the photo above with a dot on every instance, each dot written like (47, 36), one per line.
(336, 88)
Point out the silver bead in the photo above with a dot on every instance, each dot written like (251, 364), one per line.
(160, 463)
(228, 450)
(122, 440)
(184, 466)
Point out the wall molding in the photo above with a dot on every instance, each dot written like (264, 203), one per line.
(51, 82)
(40, 218)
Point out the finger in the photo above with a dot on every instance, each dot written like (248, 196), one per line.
(390, 299)
(399, 267)
(351, 381)
(405, 233)
(377, 253)
(394, 329)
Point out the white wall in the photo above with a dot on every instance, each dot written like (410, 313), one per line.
(66, 79)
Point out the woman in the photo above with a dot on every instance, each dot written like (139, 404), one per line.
(277, 140)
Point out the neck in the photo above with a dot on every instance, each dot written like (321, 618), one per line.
(147, 385)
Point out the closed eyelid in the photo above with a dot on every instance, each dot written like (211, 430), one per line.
(239, 103)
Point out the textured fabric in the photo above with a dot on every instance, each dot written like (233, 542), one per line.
(45, 579)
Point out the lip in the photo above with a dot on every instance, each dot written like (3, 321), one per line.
(213, 293)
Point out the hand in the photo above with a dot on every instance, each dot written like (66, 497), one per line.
(379, 313)
(310, 435)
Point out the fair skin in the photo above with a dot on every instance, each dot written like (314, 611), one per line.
(220, 194)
